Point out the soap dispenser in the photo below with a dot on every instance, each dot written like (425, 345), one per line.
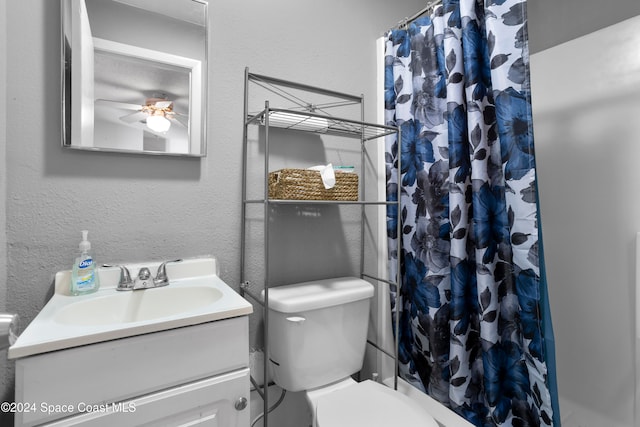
(84, 275)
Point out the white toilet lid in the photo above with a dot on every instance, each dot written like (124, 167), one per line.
(369, 404)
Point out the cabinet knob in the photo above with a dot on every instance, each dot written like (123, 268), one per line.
(241, 403)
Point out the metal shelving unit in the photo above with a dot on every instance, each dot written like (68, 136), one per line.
(316, 118)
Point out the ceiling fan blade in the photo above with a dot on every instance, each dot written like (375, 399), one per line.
(163, 104)
(181, 120)
(117, 104)
(134, 117)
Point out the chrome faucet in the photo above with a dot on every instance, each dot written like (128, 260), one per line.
(143, 280)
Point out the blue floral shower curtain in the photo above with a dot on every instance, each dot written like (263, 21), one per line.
(475, 331)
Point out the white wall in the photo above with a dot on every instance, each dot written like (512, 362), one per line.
(142, 208)
(587, 127)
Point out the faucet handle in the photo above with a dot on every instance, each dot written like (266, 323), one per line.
(125, 281)
(161, 275)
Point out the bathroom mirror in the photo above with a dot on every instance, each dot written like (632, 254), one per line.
(134, 76)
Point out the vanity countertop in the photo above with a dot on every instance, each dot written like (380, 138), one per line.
(195, 295)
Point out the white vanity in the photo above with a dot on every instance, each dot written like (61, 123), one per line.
(176, 355)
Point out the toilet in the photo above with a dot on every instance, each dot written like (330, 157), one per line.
(317, 338)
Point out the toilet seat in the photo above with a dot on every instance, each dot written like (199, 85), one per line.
(370, 404)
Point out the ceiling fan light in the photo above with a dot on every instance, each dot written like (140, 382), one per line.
(158, 123)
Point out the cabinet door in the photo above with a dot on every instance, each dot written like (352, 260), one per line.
(211, 402)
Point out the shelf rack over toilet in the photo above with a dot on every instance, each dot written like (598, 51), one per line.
(308, 109)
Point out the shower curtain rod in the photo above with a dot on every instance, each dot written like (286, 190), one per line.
(428, 7)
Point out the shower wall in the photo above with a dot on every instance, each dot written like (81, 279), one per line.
(587, 132)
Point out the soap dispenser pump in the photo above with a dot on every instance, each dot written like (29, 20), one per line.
(84, 275)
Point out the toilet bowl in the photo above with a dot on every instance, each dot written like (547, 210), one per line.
(365, 404)
(317, 339)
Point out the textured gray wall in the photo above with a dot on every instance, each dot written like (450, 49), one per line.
(3, 169)
(4, 373)
(151, 208)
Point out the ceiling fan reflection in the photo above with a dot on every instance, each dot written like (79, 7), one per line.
(156, 113)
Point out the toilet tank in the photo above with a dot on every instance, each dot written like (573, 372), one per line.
(317, 331)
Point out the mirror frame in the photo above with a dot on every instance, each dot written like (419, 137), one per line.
(77, 101)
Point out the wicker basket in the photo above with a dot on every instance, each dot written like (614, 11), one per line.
(304, 184)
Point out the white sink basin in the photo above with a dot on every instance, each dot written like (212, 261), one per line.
(137, 306)
(195, 295)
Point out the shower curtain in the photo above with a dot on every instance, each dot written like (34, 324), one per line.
(475, 331)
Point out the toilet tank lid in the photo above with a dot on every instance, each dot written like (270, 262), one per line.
(318, 294)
